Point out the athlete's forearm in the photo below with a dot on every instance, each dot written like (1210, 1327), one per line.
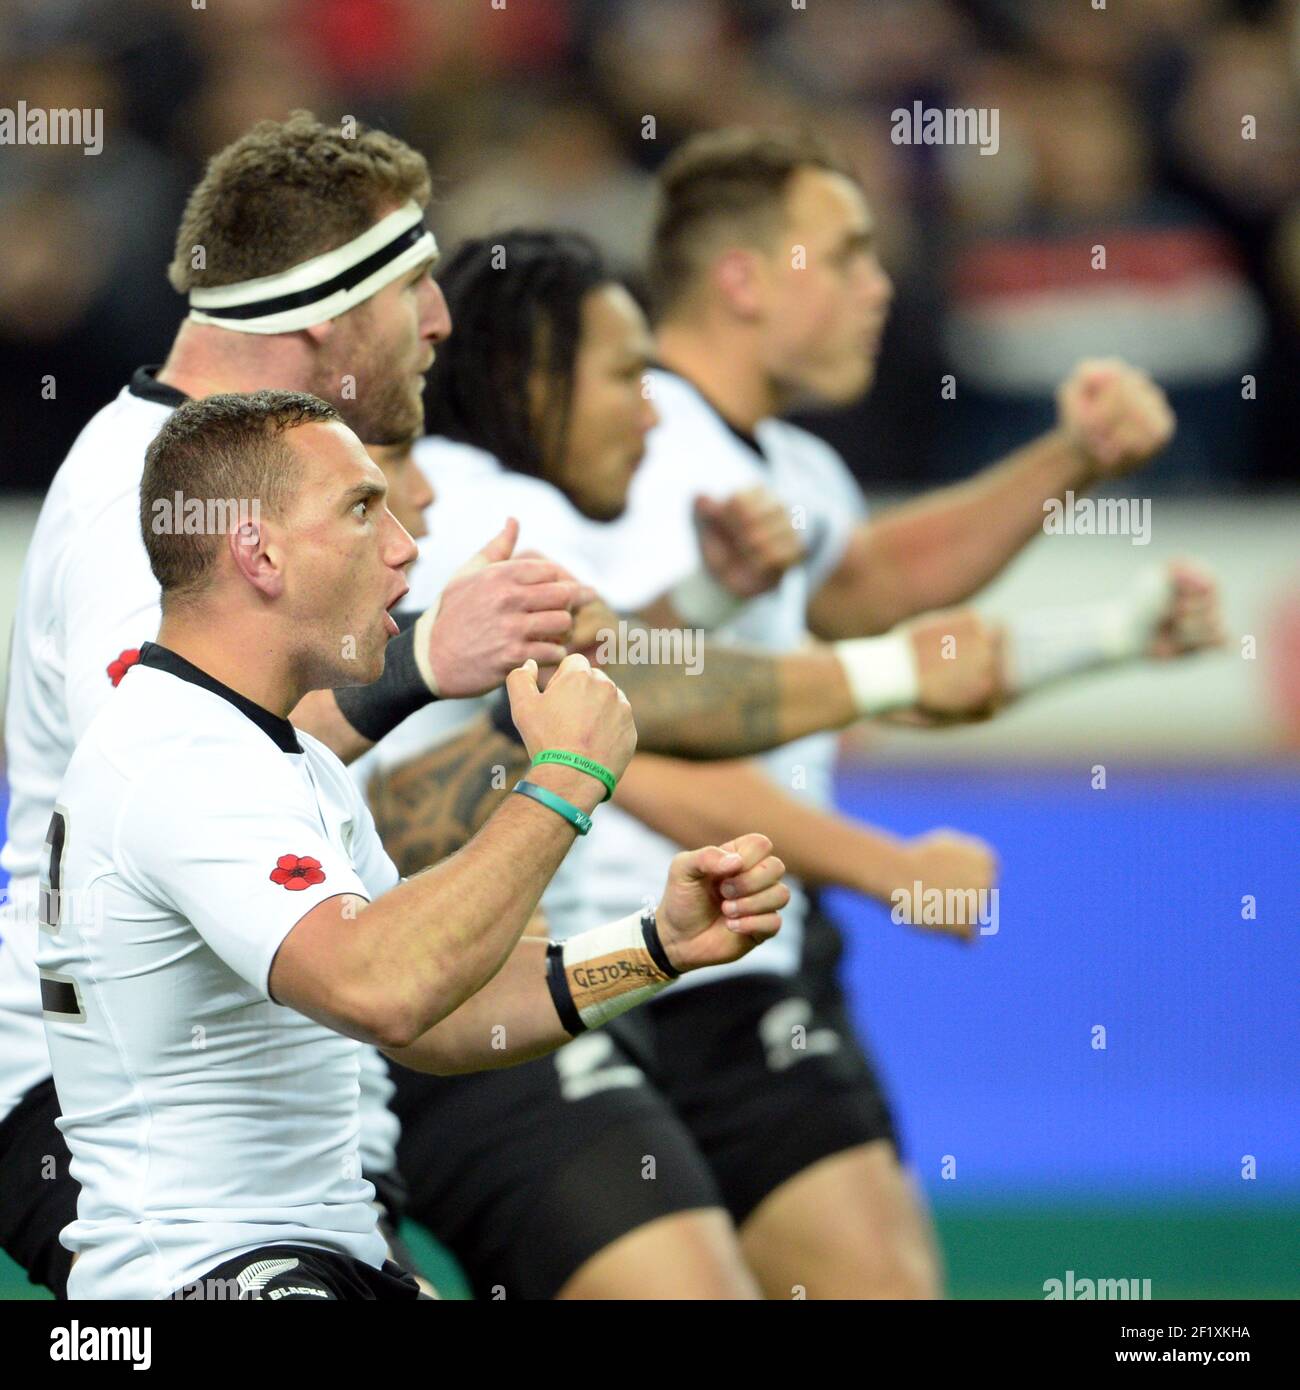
(741, 702)
(948, 544)
(511, 1019)
(419, 952)
(711, 803)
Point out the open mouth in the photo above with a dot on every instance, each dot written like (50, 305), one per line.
(389, 621)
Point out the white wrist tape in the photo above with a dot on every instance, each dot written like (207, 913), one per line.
(599, 974)
(423, 631)
(1047, 644)
(701, 601)
(881, 672)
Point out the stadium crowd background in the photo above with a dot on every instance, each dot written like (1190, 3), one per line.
(1120, 127)
(1117, 126)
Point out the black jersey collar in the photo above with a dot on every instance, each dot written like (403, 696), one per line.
(146, 385)
(279, 731)
(749, 440)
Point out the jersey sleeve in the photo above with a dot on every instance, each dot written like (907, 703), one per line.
(836, 507)
(110, 607)
(242, 856)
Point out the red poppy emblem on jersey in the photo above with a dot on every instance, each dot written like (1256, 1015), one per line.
(125, 660)
(295, 874)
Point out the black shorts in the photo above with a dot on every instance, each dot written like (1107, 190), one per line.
(298, 1274)
(527, 1172)
(769, 1077)
(38, 1196)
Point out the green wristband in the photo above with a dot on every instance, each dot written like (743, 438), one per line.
(588, 765)
(576, 817)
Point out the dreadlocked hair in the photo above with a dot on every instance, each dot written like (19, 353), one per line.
(516, 306)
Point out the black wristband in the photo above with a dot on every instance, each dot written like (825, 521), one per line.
(650, 934)
(561, 995)
(376, 709)
(502, 722)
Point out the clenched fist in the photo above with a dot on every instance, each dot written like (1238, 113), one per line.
(958, 662)
(1191, 620)
(494, 614)
(721, 901)
(747, 541)
(582, 711)
(1115, 413)
(960, 868)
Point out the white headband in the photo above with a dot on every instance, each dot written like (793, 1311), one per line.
(325, 286)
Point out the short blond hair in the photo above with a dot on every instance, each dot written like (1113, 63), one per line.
(729, 182)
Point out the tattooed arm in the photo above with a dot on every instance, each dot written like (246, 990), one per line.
(741, 701)
(431, 806)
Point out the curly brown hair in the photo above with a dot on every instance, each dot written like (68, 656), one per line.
(287, 191)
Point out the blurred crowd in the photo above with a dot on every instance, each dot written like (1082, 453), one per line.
(1124, 127)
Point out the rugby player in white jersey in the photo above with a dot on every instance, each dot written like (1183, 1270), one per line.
(329, 232)
(767, 293)
(592, 1113)
(222, 930)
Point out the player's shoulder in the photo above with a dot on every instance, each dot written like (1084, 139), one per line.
(92, 506)
(449, 464)
(330, 771)
(173, 739)
(816, 463)
(691, 449)
(106, 460)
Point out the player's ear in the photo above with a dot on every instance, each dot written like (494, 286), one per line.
(737, 276)
(254, 557)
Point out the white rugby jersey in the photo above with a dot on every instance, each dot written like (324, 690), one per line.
(623, 863)
(87, 602)
(192, 831)
(473, 496)
(651, 547)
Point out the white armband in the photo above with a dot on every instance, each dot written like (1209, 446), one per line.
(1048, 644)
(599, 974)
(881, 672)
(423, 628)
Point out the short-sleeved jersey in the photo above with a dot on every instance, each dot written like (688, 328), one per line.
(473, 497)
(192, 831)
(631, 561)
(87, 603)
(694, 451)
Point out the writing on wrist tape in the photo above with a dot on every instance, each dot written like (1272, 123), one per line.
(881, 672)
(700, 601)
(599, 974)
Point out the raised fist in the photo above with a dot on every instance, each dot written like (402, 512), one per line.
(958, 662)
(1115, 413)
(747, 541)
